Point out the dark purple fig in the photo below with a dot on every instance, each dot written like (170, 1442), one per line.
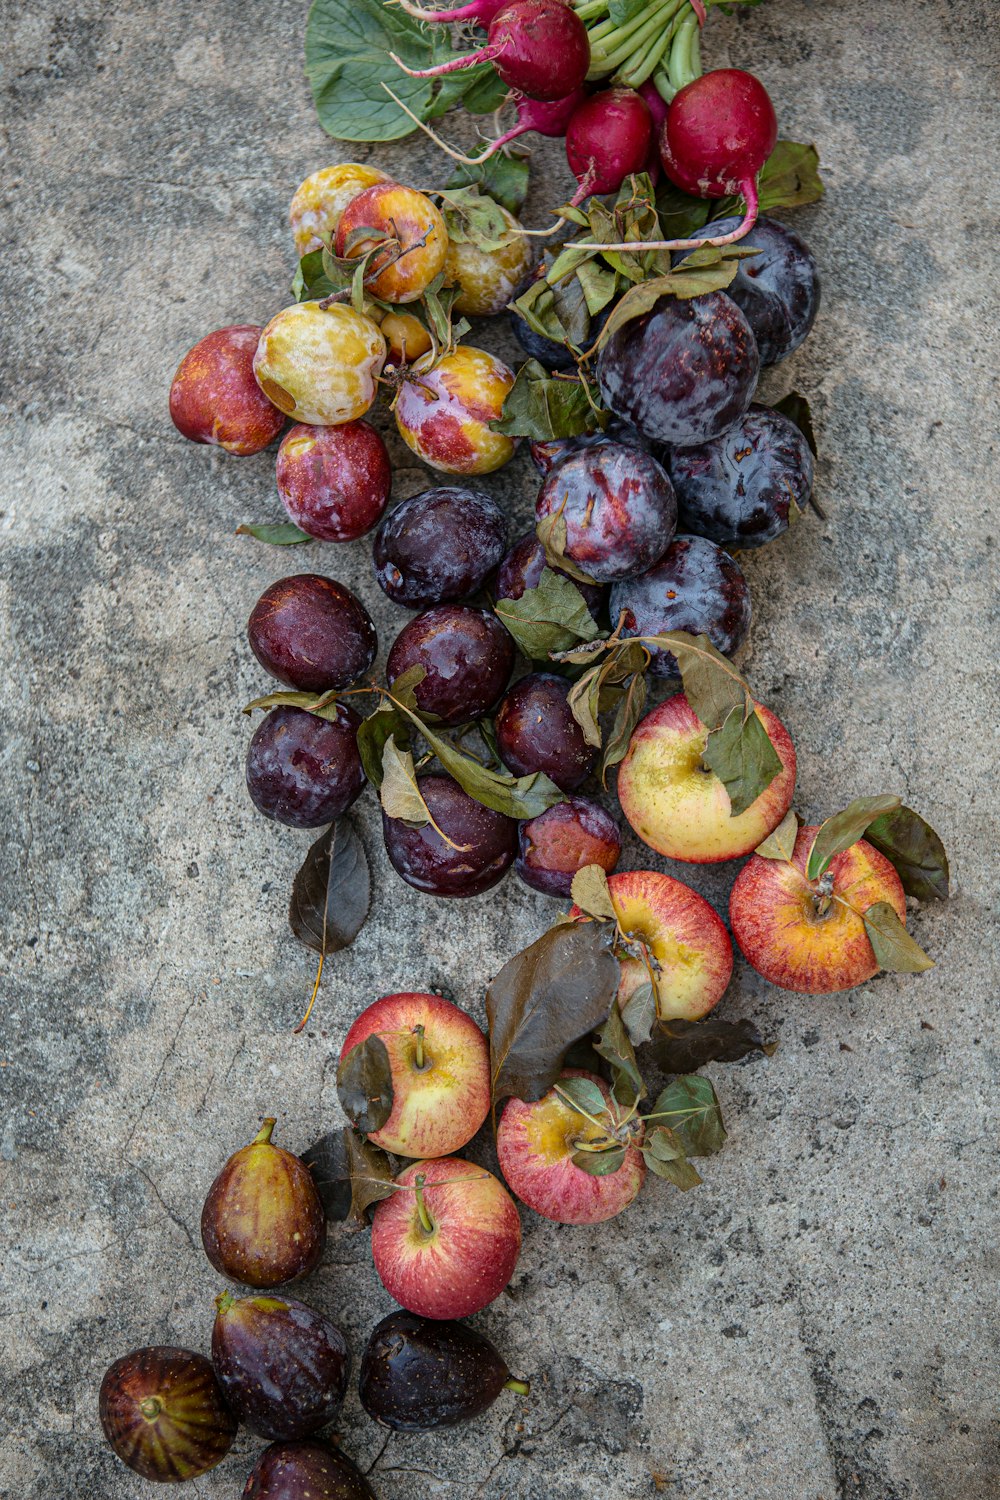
(164, 1415)
(282, 1367)
(418, 1373)
(305, 1471)
(263, 1222)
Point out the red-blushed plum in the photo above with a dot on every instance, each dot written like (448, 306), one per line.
(799, 938)
(536, 731)
(618, 507)
(695, 587)
(334, 482)
(522, 569)
(467, 656)
(312, 633)
(282, 1366)
(439, 546)
(535, 1148)
(488, 279)
(320, 364)
(163, 1413)
(684, 372)
(446, 1242)
(406, 337)
(215, 398)
(685, 937)
(416, 240)
(469, 850)
(547, 453)
(292, 1471)
(562, 840)
(319, 201)
(678, 806)
(440, 1074)
(444, 413)
(302, 770)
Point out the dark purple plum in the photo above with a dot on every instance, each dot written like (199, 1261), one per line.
(547, 454)
(618, 506)
(467, 656)
(778, 289)
(282, 1366)
(536, 731)
(439, 546)
(522, 568)
(486, 842)
(695, 587)
(684, 372)
(303, 770)
(744, 488)
(421, 1373)
(312, 633)
(562, 840)
(306, 1471)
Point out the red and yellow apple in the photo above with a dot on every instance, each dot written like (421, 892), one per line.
(440, 1066)
(447, 1240)
(535, 1147)
(687, 940)
(320, 364)
(214, 397)
(678, 806)
(796, 932)
(316, 208)
(444, 413)
(416, 240)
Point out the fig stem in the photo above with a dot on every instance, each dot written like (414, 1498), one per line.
(224, 1301)
(263, 1136)
(521, 1387)
(151, 1406)
(427, 1223)
(419, 1058)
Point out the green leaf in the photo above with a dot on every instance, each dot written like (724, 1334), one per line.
(399, 792)
(691, 1108)
(599, 285)
(473, 218)
(504, 177)
(915, 850)
(311, 281)
(742, 756)
(680, 215)
(665, 1158)
(894, 948)
(364, 1085)
(796, 408)
(587, 697)
(278, 534)
(484, 93)
(350, 1174)
(592, 894)
(639, 1013)
(684, 1046)
(781, 843)
(583, 1094)
(541, 406)
(627, 716)
(599, 1163)
(712, 685)
(612, 1042)
(347, 46)
(685, 280)
(550, 617)
(323, 705)
(844, 829)
(789, 179)
(373, 734)
(620, 11)
(331, 892)
(545, 999)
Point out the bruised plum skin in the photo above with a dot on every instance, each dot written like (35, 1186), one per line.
(486, 840)
(312, 633)
(684, 372)
(695, 587)
(302, 770)
(618, 506)
(548, 453)
(777, 289)
(562, 840)
(467, 657)
(439, 546)
(536, 731)
(522, 569)
(743, 489)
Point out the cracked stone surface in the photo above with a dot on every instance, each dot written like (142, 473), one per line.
(819, 1320)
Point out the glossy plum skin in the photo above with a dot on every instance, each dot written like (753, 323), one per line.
(562, 840)
(439, 546)
(778, 289)
(619, 508)
(334, 482)
(304, 771)
(312, 633)
(423, 859)
(523, 567)
(410, 223)
(282, 1366)
(536, 731)
(444, 414)
(695, 587)
(215, 398)
(313, 1469)
(608, 137)
(684, 372)
(547, 454)
(467, 656)
(545, 48)
(743, 489)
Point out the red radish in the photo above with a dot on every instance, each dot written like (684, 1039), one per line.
(656, 103)
(544, 117)
(607, 138)
(539, 47)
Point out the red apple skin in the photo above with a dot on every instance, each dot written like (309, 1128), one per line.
(469, 1256)
(535, 1151)
(686, 937)
(215, 398)
(683, 811)
(775, 923)
(437, 1109)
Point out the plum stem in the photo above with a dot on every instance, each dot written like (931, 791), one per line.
(466, 60)
(748, 189)
(426, 1222)
(263, 1136)
(520, 1387)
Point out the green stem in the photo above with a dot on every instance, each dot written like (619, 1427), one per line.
(633, 74)
(263, 1136)
(679, 67)
(426, 1221)
(630, 40)
(418, 1032)
(522, 1387)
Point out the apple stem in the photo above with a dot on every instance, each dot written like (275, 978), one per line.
(263, 1136)
(824, 894)
(151, 1407)
(521, 1387)
(425, 1219)
(419, 1058)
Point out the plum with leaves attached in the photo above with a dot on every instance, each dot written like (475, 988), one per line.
(487, 277)
(439, 546)
(467, 657)
(522, 569)
(303, 770)
(610, 510)
(463, 851)
(564, 839)
(402, 231)
(694, 587)
(536, 731)
(444, 412)
(548, 453)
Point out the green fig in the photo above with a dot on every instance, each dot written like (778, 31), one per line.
(164, 1415)
(306, 1471)
(282, 1367)
(418, 1373)
(263, 1222)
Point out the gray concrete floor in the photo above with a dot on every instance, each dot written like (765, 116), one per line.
(819, 1319)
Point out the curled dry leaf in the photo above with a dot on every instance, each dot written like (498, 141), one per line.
(553, 616)
(350, 1174)
(278, 533)
(781, 843)
(592, 894)
(685, 1046)
(364, 1085)
(399, 792)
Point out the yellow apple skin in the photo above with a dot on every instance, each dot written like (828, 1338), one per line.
(407, 216)
(775, 921)
(319, 201)
(319, 365)
(686, 937)
(680, 809)
(443, 414)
